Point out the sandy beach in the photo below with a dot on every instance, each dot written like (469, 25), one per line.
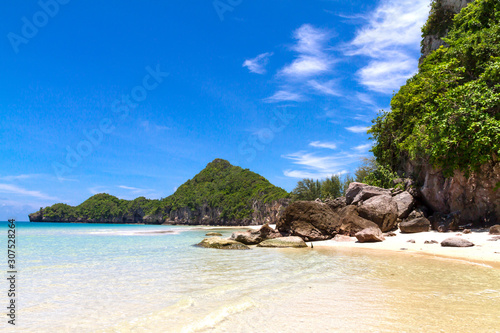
(484, 251)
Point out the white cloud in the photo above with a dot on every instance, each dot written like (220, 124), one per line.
(312, 58)
(13, 189)
(391, 38)
(357, 129)
(363, 148)
(284, 95)
(326, 88)
(318, 144)
(258, 64)
(315, 166)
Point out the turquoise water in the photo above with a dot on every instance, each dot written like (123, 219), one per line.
(125, 278)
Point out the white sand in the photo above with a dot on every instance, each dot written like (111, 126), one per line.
(484, 251)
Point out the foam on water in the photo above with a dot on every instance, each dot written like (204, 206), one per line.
(102, 278)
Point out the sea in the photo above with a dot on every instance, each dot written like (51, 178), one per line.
(143, 278)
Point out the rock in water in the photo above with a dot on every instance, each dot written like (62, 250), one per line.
(405, 203)
(417, 225)
(380, 209)
(495, 230)
(252, 237)
(292, 241)
(212, 234)
(456, 242)
(222, 243)
(310, 220)
(371, 234)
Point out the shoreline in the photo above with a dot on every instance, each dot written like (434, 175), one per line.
(483, 252)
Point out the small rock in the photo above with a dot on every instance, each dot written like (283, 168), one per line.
(342, 238)
(467, 231)
(390, 234)
(291, 241)
(494, 239)
(456, 242)
(371, 234)
(417, 225)
(411, 241)
(431, 242)
(213, 234)
(495, 230)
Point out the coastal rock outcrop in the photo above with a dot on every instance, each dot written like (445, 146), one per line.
(351, 222)
(456, 242)
(252, 237)
(310, 220)
(222, 244)
(291, 241)
(417, 225)
(368, 235)
(357, 192)
(380, 209)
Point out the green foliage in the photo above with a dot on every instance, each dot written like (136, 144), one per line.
(372, 173)
(440, 19)
(332, 187)
(449, 112)
(219, 185)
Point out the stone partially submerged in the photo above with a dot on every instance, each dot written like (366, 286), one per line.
(222, 243)
(252, 237)
(291, 241)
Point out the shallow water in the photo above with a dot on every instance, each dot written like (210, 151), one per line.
(125, 278)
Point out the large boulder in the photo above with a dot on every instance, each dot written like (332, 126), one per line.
(357, 192)
(456, 242)
(372, 234)
(291, 241)
(310, 220)
(222, 243)
(495, 230)
(417, 225)
(380, 209)
(351, 222)
(252, 237)
(336, 204)
(405, 203)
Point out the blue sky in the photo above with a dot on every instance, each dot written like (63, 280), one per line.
(134, 98)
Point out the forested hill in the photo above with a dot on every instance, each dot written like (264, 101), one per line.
(221, 194)
(444, 124)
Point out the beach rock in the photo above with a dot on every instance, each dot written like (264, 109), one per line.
(411, 241)
(370, 235)
(342, 238)
(456, 242)
(336, 204)
(351, 222)
(405, 203)
(495, 230)
(390, 234)
(222, 243)
(420, 211)
(494, 239)
(309, 220)
(380, 209)
(291, 241)
(359, 192)
(252, 237)
(417, 225)
(212, 234)
(467, 231)
(431, 242)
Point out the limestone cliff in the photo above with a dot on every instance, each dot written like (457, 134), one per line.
(437, 27)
